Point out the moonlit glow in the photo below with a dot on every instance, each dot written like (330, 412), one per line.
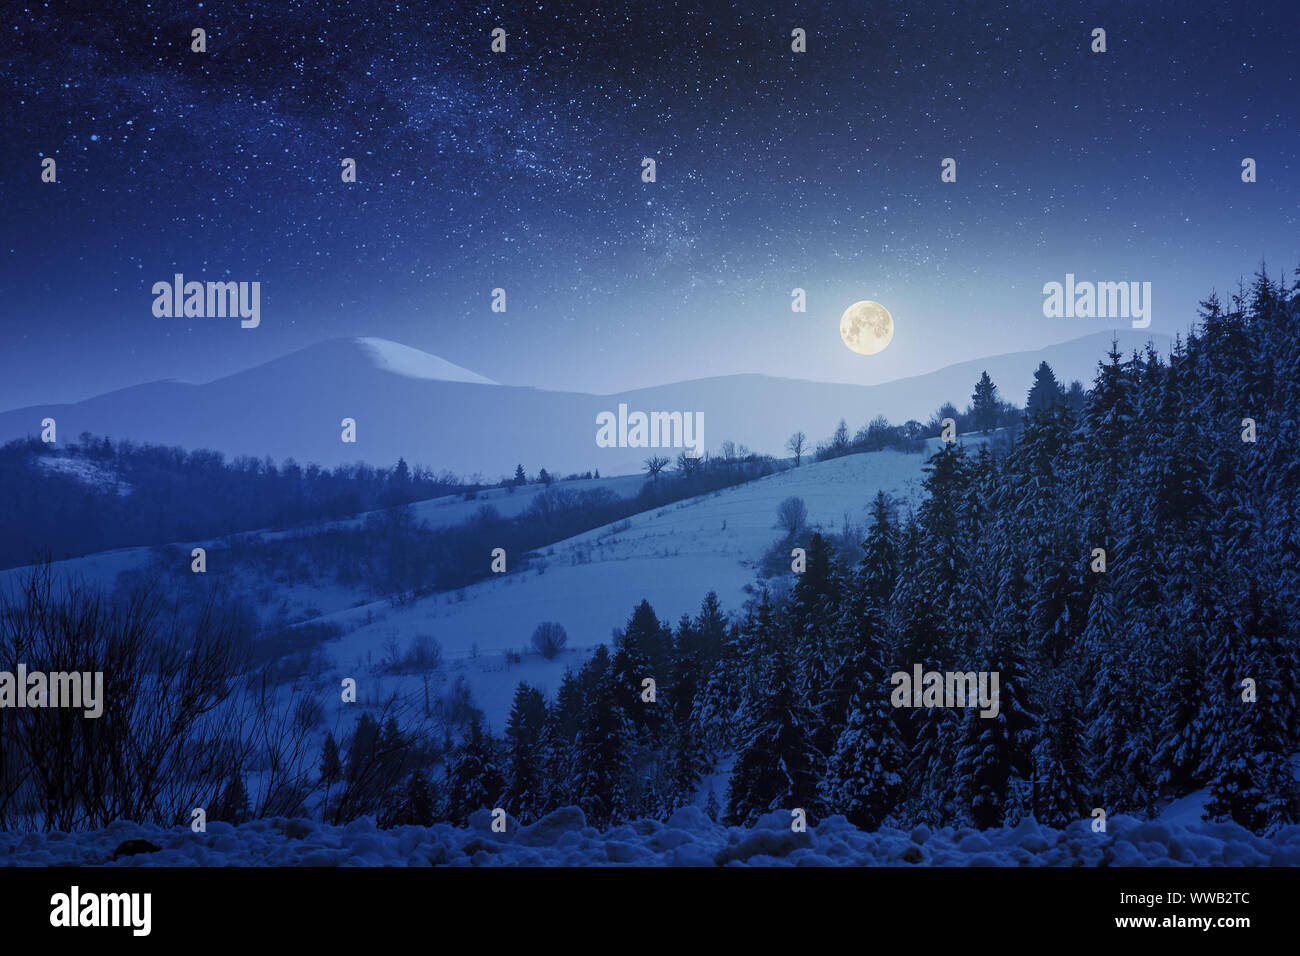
(867, 327)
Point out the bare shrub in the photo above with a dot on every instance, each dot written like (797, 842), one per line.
(549, 639)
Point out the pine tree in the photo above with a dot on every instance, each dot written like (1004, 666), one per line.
(775, 768)
(1038, 521)
(526, 789)
(1180, 745)
(720, 703)
(866, 755)
(563, 726)
(711, 628)
(417, 804)
(399, 484)
(1118, 734)
(474, 781)
(331, 771)
(644, 649)
(935, 563)
(810, 622)
(1104, 454)
(996, 750)
(1060, 785)
(1045, 395)
(864, 781)
(711, 809)
(1254, 785)
(985, 405)
(689, 758)
(330, 766)
(604, 742)
(880, 557)
(233, 806)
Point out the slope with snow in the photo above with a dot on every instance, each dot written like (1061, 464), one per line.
(448, 510)
(413, 363)
(671, 556)
(591, 583)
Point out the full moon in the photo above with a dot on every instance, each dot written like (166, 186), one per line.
(867, 327)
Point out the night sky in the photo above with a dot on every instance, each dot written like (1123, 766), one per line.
(523, 170)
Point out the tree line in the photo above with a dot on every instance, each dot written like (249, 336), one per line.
(1130, 568)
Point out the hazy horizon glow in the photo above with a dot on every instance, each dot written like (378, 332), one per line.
(776, 170)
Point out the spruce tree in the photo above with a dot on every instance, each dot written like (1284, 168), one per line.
(689, 757)
(985, 404)
(1045, 395)
(1254, 784)
(775, 769)
(864, 781)
(603, 745)
(233, 806)
(811, 624)
(474, 781)
(994, 752)
(330, 766)
(417, 806)
(563, 727)
(526, 787)
(1060, 784)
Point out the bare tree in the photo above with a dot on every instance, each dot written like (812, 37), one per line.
(549, 639)
(655, 464)
(796, 445)
(792, 515)
(688, 465)
(167, 739)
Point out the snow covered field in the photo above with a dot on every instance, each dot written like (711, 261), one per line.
(670, 556)
(590, 583)
(688, 838)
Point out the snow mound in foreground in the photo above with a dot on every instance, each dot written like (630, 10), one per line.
(689, 838)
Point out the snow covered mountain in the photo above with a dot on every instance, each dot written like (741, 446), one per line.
(408, 403)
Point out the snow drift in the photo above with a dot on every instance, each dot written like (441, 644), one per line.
(688, 838)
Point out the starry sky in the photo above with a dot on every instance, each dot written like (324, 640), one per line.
(522, 170)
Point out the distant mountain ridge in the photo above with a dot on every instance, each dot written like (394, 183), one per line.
(408, 403)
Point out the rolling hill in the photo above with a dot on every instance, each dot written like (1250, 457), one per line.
(407, 403)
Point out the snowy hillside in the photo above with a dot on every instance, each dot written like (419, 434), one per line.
(456, 509)
(590, 583)
(407, 403)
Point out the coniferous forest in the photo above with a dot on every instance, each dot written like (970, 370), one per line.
(1129, 570)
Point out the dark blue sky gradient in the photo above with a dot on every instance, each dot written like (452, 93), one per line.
(522, 171)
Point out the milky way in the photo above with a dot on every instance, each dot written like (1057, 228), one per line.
(521, 170)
